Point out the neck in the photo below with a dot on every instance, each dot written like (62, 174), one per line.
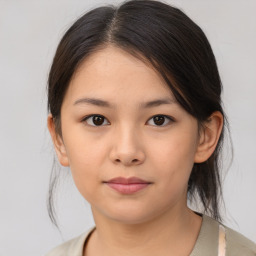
(175, 233)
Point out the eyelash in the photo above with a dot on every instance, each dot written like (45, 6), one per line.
(171, 120)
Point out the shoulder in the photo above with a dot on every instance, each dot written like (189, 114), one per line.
(72, 247)
(238, 245)
(209, 237)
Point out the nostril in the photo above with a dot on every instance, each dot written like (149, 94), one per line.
(133, 161)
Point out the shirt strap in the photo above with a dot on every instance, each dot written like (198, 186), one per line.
(222, 241)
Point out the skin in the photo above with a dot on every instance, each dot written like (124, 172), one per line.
(154, 220)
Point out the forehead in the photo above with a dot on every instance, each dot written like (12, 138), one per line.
(116, 74)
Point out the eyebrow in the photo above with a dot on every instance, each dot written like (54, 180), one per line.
(103, 103)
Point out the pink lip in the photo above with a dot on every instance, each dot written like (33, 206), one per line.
(127, 185)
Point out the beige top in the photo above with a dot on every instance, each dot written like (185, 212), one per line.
(214, 239)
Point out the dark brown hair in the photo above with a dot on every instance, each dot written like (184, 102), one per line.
(175, 46)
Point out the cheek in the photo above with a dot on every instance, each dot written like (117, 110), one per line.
(83, 148)
(174, 160)
(177, 150)
(85, 160)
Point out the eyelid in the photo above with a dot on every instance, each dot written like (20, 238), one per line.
(171, 120)
(92, 115)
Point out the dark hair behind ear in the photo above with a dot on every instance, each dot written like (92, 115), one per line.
(175, 46)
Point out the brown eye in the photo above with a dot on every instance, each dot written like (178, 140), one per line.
(98, 120)
(95, 120)
(161, 120)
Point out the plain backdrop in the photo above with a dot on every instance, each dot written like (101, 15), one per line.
(29, 34)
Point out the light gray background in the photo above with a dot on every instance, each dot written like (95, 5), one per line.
(29, 33)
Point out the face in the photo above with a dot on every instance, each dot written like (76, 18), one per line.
(119, 119)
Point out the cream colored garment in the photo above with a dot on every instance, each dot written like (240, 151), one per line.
(214, 239)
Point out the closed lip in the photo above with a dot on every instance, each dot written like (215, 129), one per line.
(131, 180)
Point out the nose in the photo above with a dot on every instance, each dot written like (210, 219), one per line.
(127, 148)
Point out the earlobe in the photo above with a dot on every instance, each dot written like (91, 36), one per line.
(57, 142)
(209, 137)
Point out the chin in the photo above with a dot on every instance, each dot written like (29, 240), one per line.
(131, 216)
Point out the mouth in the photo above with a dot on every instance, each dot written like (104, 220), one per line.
(127, 185)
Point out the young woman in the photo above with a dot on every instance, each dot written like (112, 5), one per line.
(135, 112)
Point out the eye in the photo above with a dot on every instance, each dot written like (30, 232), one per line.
(160, 120)
(95, 120)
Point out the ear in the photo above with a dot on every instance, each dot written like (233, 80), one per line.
(209, 137)
(57, 142)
